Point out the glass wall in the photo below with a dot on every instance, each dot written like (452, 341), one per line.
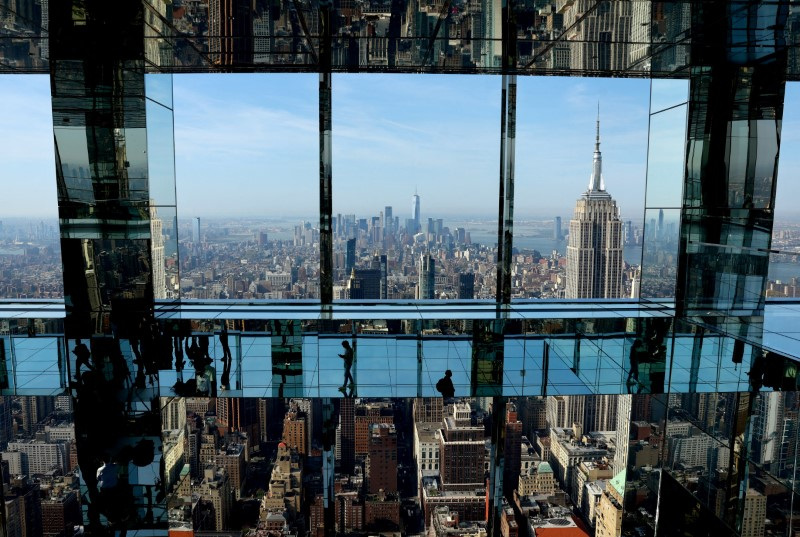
(250, 144)
(414, 163)
(568, 131)
(30, 251)
(784, 270)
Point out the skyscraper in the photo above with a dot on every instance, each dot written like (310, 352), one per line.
(427, 276)
(594, 251)
(557, 229)
(388, 220)
(350, 259)
(466, 286)
(196, 230)
(415, 212)
(157, 253)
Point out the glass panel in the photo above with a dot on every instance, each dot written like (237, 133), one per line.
(30, 252)
(409, 130)
(160, 153)
(665, 162)
(784, 270)
(246, 141)
(545, 217)
(660, 253)
(666, 93)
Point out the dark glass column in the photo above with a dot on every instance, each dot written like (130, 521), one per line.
(737, 83)
(98, 92)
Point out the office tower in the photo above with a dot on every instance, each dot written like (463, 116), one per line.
(768, 423)
(755, 513)
(533, 414)
(382, 458)
(347, 421)
(428, 409)
(240, 415)
(196, 238)
(379, 262)
(157, 253)
(366, 415)
(34, 410)
(173, 414)
(608, 522)
(232, 458)
(388, 220)
(594, 251)
(563, 411)
(660, 228)
(296, 434)
(600, 413)
(6, 421)
(364, 284)
(629, 236)
(23, 508)
(427, 277)
(557, 229)
(466, 286)
(599, 39)
(415, 215)
(622, 431)
(513, 450)
(350, 256)
(61, 512)
(230, 30)
(217, 499)
(461, 455)
(492, 19)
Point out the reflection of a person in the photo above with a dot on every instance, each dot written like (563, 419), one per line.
(226, 358)
(445, 385)
(348, 364)
(82, 355)
(633, 373)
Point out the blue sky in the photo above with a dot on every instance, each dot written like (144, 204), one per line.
(247, 144)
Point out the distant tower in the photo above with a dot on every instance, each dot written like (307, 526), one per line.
(427, 276)
(380, 262)
(557, 236)
(594, 251)
(350, 258)
(415, 212)
(388, 220)
(466, 286)
(196, 230)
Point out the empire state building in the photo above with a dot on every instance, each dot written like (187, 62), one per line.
(594, 251)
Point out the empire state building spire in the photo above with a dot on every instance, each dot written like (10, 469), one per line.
(594, 250)
(596, 183)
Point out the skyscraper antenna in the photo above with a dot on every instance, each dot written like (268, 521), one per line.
(597, 137)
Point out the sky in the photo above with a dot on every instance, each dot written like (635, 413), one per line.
(247, 145)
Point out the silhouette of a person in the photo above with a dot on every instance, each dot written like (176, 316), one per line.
(82, 355)
(445, 385)
(226, 358)
(348, 364)
(633, 374)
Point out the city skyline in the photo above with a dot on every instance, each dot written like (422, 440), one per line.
(223, 145)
